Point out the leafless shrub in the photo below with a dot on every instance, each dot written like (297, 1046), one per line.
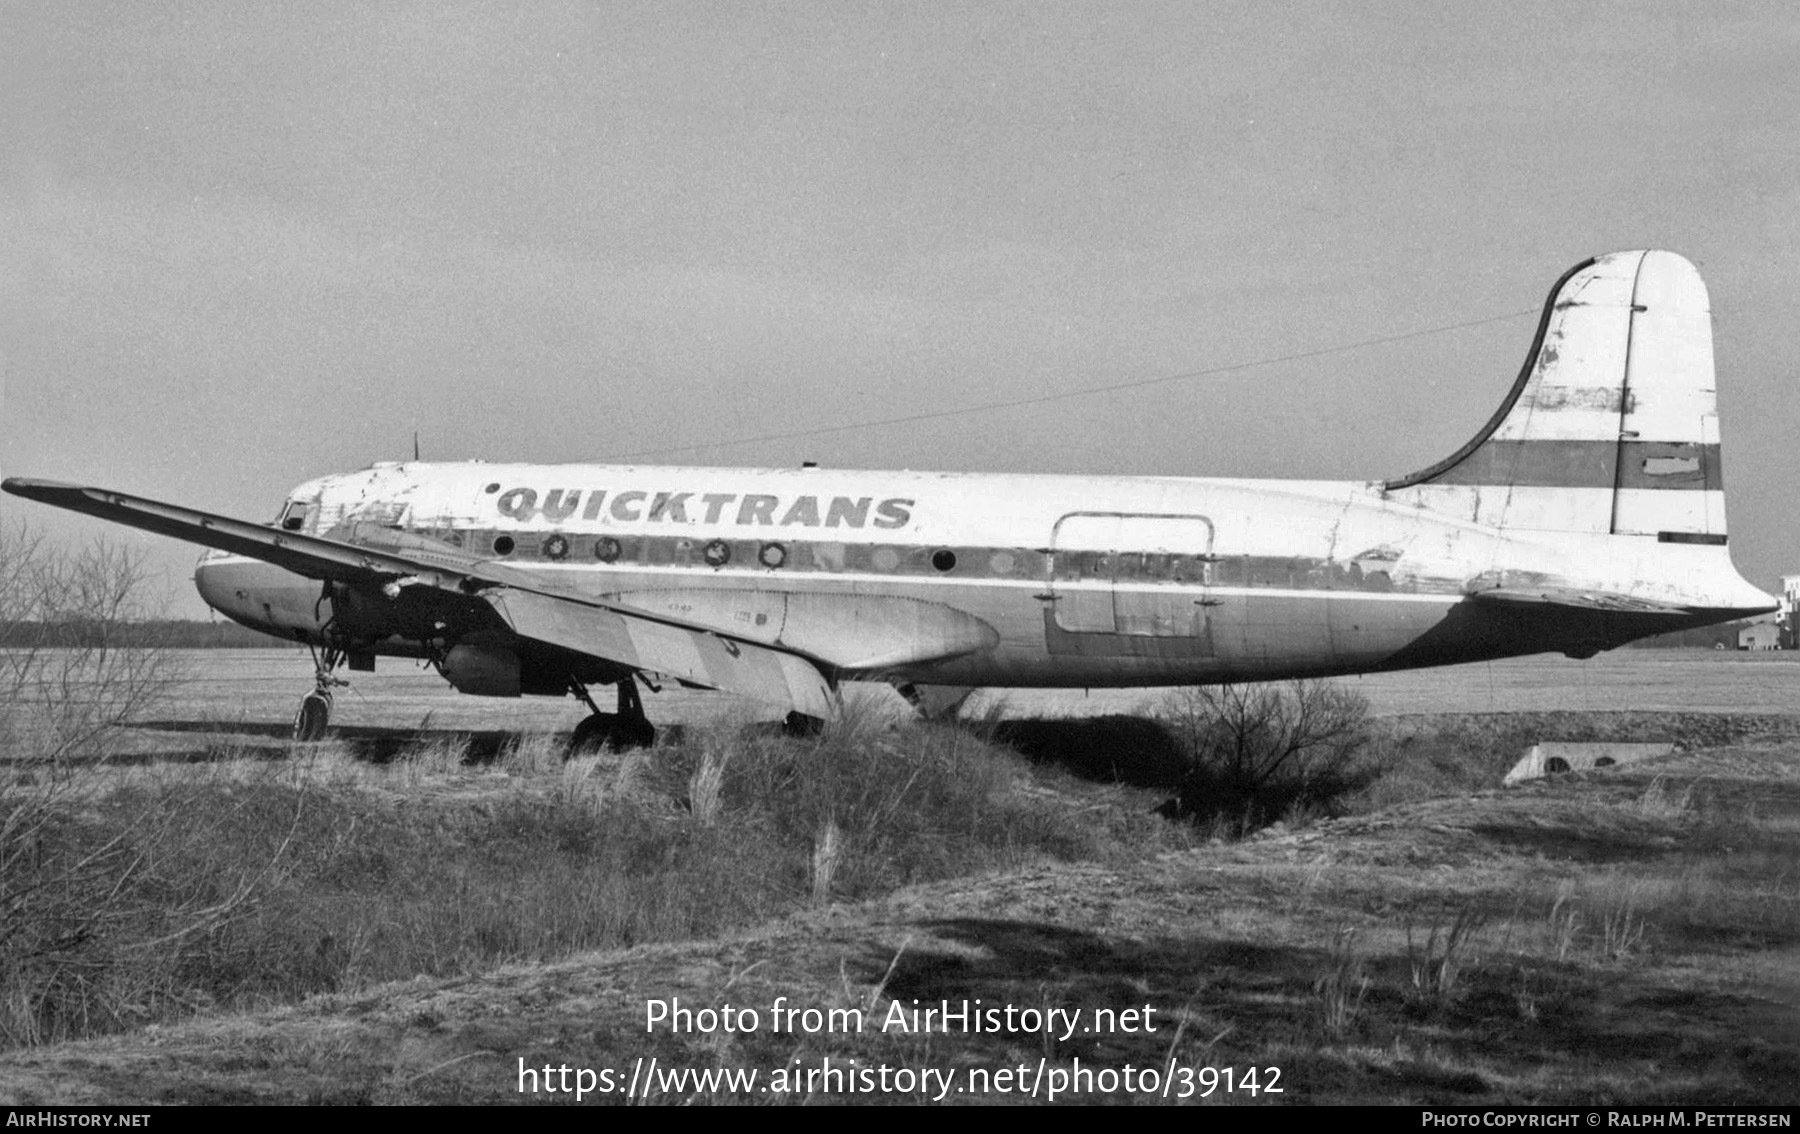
(73, 663)
(1256, 752)
(98, 903)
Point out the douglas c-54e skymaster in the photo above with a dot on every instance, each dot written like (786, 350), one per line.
(1589, 511)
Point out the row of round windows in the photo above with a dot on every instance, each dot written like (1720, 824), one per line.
(716, 553)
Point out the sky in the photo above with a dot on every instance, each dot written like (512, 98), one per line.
(245, 245)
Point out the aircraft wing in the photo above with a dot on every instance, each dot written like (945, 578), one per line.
(311, 556)
(697, 656)
(535, 608)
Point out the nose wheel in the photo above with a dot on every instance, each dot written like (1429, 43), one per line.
(314, 717)
(627, 728)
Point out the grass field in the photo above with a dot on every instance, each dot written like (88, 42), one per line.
(253, 693)
(375, 919)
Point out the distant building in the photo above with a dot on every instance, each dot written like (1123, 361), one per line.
(1759, 636)
(1721, 636)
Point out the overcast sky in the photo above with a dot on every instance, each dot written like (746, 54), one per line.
(242, 245)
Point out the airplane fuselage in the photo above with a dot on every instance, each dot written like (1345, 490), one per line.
(1588, 511)
(997, 579)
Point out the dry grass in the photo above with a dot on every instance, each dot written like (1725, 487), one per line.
(1661, 801)
(328, 873)
(1443, 950)
(1456, 944)
(827, 851)
(1342, 985)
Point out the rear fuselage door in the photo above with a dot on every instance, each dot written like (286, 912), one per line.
(1138, 576)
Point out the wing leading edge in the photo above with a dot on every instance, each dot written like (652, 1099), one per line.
(535, 608)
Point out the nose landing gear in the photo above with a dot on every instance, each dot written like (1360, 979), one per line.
(628, 728)
(314, 716)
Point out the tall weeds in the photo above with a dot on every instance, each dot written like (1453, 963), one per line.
(1342, 984)
(113, 892)
(206, 885)
(1438, 959)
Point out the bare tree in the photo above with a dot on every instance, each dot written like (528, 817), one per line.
(84, 892)
(70, 666)
(1256, 751)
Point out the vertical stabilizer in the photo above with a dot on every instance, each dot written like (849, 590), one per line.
(1612, 426)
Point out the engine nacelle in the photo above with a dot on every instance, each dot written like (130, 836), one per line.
(485, 671)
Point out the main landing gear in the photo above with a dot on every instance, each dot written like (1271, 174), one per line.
(627, 728)
(314, 716)
(800, 726)
(935, 702)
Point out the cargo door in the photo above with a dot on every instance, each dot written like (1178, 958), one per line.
(1137, 583)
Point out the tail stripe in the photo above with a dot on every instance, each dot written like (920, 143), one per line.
(1591, 464)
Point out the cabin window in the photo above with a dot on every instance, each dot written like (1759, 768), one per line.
(295, 515)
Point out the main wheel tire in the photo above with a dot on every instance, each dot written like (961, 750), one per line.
(801, 726)
(313, 718)
(634, 733)
(602, 730)
(589, 736)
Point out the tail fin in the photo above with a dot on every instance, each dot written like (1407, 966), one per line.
(1612, 426)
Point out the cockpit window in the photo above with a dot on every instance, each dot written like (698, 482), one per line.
(294, 516)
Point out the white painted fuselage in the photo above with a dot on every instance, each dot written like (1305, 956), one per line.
(1084, 581)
